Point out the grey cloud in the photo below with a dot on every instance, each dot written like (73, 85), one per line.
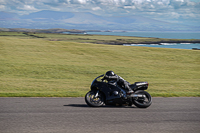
(109, 7)
(114, 3)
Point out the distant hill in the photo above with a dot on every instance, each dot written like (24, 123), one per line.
(55, 30)
(47, 16)
(87, 21)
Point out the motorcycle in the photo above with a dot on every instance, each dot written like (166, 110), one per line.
(105, 92)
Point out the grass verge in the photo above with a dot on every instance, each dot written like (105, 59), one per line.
(39, 67)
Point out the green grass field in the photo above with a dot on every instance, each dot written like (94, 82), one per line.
(63, 66)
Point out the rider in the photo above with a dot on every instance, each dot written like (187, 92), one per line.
(110, 75)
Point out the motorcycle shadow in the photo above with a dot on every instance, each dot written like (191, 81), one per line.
(77, 105)
(105, 106)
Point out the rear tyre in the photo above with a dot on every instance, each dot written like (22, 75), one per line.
(93, 101)
(142, 102)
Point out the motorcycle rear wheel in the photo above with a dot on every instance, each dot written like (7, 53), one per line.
(142, 102)
(92, 101)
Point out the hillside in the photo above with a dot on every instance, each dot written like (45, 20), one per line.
(87, 21)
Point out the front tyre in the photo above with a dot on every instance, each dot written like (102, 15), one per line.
(142, 102)
(93, 101)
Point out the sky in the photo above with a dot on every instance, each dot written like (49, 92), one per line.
(165, 10)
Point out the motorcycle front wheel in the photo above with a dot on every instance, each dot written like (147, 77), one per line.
(142, 102)
(93, 101)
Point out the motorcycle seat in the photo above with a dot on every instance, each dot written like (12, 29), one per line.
(132, 86)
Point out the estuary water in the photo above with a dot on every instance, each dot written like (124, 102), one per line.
(172, 35)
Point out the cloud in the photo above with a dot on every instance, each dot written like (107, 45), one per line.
(103, 4)
(2, 7)
(96, 8)
(27, 7)
(159, 9)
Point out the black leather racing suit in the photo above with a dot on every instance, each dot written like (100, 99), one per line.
(120, 81)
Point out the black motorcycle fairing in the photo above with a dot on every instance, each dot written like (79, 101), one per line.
(113, 99)
(112, 95)
(106, 89)
(103, 87)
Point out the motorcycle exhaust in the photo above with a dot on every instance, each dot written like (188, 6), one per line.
(137, 95)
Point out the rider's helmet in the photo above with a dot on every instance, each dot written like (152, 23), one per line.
(110, 73)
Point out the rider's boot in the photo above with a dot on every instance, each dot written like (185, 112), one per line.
(130, 91)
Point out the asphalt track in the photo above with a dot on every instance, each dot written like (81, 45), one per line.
(72, 115)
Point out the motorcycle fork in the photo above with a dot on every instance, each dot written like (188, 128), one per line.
(97, 94)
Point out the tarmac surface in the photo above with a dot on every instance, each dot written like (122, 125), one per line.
(72, 115)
